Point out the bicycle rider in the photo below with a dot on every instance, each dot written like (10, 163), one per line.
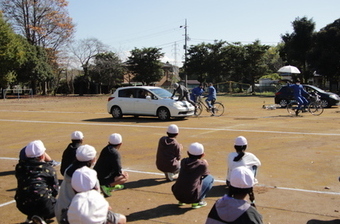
(196, 92)
(211, 98)
(299, 94)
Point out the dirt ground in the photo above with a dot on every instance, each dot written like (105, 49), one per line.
(298, 179)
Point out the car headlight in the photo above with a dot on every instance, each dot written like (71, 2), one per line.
(334, 96)
(178, 104)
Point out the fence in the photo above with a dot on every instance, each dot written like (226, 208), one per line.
(232, 87)
(16, 93)
(237, 87)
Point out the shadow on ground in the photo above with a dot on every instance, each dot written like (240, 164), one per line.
(132, 119)
(145, 183)
(7, 173)
(314, 221)
(218, 191)
(160, 211)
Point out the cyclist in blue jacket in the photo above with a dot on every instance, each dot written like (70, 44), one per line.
(299, 94)
(211, 97)
(196, 92)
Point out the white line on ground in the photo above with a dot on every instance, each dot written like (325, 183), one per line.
(223, 181)
(7, 203)
(161, 127)
(56, 112)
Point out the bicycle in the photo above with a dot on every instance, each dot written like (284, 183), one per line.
(217, 109)
(314, 107)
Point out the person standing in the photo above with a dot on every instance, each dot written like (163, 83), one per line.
(194, 180)
(211, 98)
(183, 93)
(242, 158)
(109, 167)
(169, 153)
(234, 208)
(37, 184)
(88, 206)
(85, 156)
(69, 154)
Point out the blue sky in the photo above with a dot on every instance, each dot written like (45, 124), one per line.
(126, 24)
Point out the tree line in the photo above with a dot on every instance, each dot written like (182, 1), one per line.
(37, 50)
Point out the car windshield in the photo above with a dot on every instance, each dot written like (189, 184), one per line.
(162, 93)
(317, 89)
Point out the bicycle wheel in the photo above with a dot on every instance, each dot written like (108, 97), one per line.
(199, 109)
(218, 109)
(315, 109)
(292, 107)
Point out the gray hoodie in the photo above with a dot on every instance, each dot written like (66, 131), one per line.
(231, 210)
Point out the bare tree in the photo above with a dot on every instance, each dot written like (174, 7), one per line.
(84, 51)
(44, 23)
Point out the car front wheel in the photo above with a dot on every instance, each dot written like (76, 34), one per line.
(116, 112)
(283, 103)
(163, 114)
(325, 103)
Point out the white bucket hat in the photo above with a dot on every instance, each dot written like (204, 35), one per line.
(240, 140)
(115, 139)
(84, 179)
(173, 129)
(196, 149)
(77, 135)
(35, 149)
(242, 177)
(85, 153)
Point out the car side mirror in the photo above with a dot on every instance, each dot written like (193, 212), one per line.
(148, 98)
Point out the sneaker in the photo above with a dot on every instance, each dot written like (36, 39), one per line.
(169, 176)
(117, 187)
(55, 163)
(106, 190)
(212, 115)
(199, 204)
(181, 203)
(37, 220)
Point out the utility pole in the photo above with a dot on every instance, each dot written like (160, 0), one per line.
(185, 48)
(175, 49)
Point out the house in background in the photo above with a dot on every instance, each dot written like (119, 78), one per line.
(171, 75)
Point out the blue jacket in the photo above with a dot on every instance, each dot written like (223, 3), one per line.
(211, 93)
(197, 91)
(298, 90)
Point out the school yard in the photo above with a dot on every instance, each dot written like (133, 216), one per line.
(298, 179)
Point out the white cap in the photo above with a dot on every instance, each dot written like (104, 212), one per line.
(77, 135)
(115, 139)
(242, 177)
(173, 129)
(196, 149)
(85, 153)
(35, 149)
(240, 140)
(84, 179)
